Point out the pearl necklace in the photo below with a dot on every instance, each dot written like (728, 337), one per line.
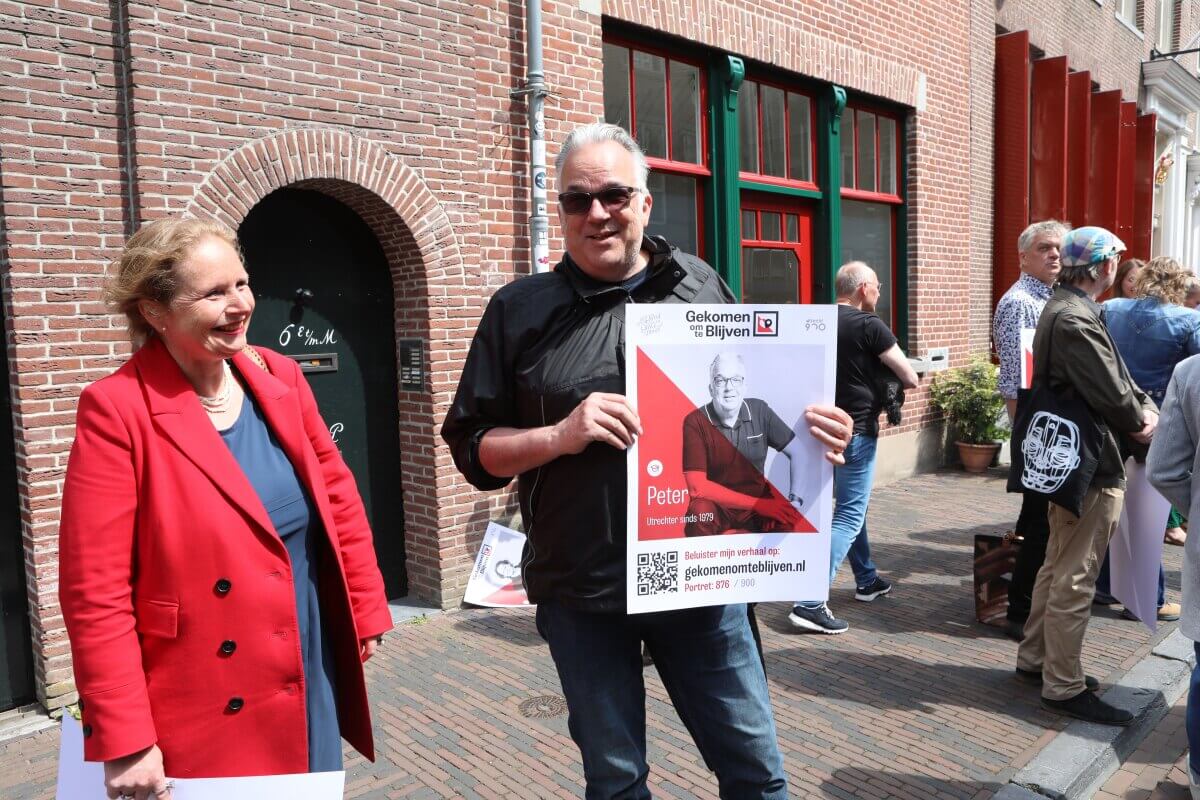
(219, 402)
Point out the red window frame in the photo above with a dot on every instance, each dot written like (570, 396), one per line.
(759, 202)
(892, 199)
(853, 192)
(775, 180)
(668, 165)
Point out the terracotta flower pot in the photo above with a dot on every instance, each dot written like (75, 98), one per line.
(977, 457)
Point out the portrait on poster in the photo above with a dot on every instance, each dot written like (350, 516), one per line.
(729, 495)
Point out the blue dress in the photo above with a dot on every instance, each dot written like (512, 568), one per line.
(297, 523)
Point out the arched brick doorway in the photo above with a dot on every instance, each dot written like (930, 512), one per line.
(417, 240)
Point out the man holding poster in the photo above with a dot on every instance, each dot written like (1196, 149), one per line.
(542, 398)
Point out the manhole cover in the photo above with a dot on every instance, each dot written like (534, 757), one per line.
(543, 706)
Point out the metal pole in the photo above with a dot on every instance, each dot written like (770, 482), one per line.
(535, 90)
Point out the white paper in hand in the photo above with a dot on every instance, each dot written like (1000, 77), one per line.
(84, 780)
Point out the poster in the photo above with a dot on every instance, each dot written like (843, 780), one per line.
(496, 579)
(1135, 552)
(84, 780)
(729, 496)
(1027, 357)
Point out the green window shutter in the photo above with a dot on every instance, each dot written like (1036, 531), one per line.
(827, 252)
(724, 220)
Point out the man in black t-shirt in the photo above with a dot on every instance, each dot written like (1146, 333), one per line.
(865, 346)
(725, 445)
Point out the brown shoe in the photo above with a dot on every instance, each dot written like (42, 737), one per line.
(1169, 612)
(1175, 536)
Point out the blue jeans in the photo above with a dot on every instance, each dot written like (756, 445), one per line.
(1104, 583)
(1192, 722)
(852, 484)
(708, 662)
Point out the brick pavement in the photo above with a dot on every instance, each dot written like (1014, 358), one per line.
(916, 701)
(1157, 770)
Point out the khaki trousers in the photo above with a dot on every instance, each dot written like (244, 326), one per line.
(1062, 595)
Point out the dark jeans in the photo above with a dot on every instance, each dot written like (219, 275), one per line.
(708, 664)
(1034, 525)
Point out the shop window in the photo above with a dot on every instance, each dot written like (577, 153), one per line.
(1127, 11)
(1168, 25)
(660, 99)
(868, 235)
(776, 135)
(870, 151)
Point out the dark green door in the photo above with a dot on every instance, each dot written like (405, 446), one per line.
(324, 293)
(16, 652)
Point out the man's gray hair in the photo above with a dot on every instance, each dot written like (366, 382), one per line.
(596, 133)
(1047, 227)
(731, 355)
(1079, 273)
(850, 276)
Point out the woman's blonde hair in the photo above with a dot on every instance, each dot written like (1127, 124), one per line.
(1127, 266)
(145, 269)
(1163, 278)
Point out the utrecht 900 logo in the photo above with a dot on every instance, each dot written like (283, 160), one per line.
(1051, 451)
(650, 324)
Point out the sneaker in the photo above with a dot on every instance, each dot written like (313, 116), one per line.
(1166, 613)
(1087, 706)
(878, 588)
(1104, 599)
(1034, 678)
(818, 620)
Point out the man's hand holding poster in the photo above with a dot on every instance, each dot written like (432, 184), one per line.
(730, 497)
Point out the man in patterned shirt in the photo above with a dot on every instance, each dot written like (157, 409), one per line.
(1038, 248)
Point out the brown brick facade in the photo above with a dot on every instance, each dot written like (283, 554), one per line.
(116, 113)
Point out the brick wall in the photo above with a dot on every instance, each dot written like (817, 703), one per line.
(115, 113)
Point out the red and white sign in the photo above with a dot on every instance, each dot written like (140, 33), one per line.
(496, 579)
(729, 496)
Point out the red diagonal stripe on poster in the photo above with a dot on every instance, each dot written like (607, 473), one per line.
(661, 401)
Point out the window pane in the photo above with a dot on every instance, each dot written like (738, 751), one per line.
(887, 155)
(774, 134)
(866, 151)
(749, 225)
(800, 137)
(650, 80)
(770, 226)
(847, 144)
(793, 228)
(748, 126)
(616, 85)
(685, 113)
(867, 237)
(769, 275)
(673, 213)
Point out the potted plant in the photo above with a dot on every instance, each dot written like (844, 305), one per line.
(969, 398)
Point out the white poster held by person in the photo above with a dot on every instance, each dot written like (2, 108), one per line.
(1135, 552)
(84, 780)
(496, 579)
(1027, 357)
(729, 495)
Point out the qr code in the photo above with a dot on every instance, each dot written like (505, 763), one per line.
(657, 573)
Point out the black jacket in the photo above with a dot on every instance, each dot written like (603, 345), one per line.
(544, 344)
(1086, 359)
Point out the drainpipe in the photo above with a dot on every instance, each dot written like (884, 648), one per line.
(535, 90)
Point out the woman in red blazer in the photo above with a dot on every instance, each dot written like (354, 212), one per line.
(218, 578)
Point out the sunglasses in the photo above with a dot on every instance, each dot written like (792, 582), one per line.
(613, 198)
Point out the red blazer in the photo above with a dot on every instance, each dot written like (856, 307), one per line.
(167, 556)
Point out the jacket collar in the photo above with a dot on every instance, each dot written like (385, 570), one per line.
(665, 273)
(177, 413)
(1073, 294)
